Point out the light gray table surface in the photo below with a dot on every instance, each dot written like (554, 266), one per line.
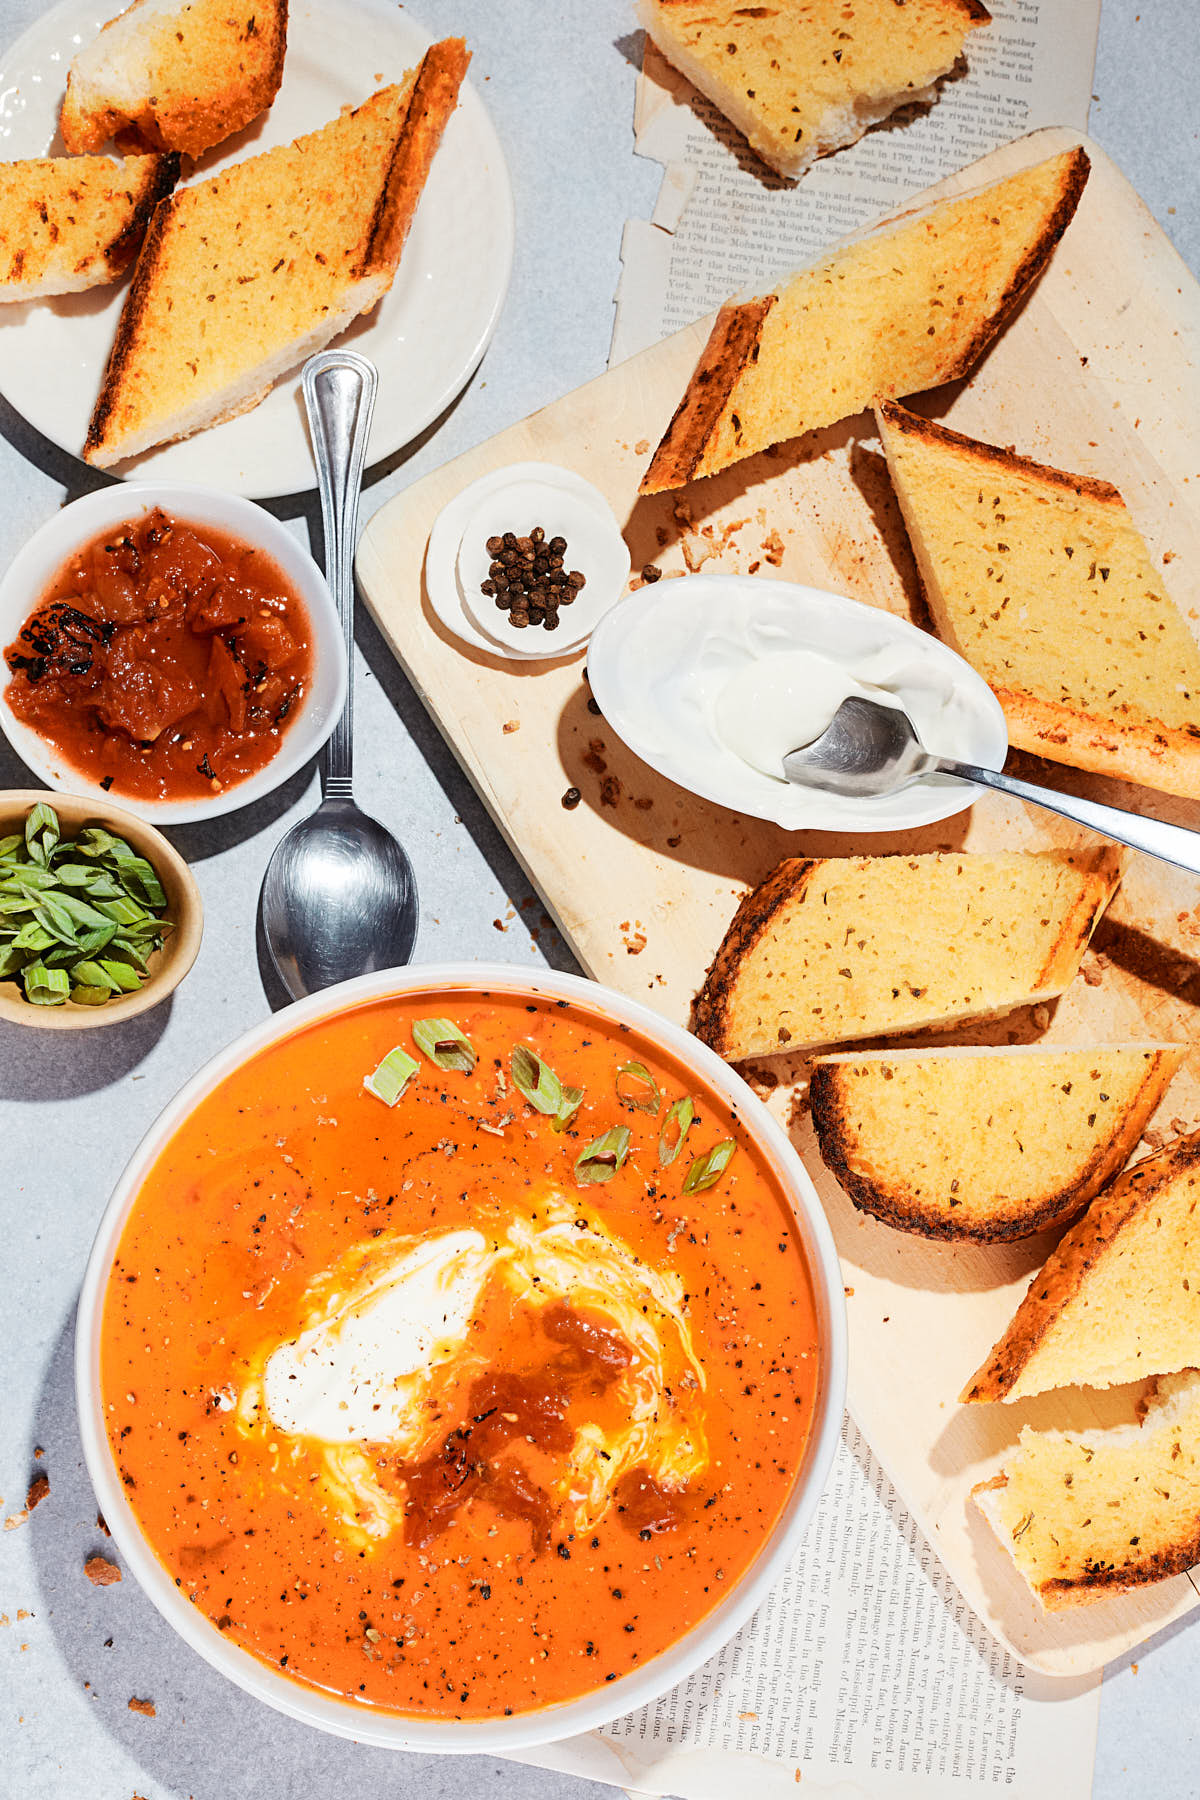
(558, 81)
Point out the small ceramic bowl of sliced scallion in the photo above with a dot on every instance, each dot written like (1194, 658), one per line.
(100, 917)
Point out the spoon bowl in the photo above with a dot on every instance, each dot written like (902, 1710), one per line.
(338, 898)
(868, 748)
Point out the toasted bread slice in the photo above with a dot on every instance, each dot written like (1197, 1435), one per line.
(1089, 1514)
(804, 77)
(1119, 1298)
(1041, 580)
(74, 222)
(913, 304)
(984, 1144)
(828, 950)
(244, 276)
(176, 74)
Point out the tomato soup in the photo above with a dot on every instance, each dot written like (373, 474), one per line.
(459, 1364)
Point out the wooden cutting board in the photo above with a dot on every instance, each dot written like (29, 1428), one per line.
(1099, 373)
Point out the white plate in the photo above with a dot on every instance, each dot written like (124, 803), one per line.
(658, 662)
(542, 486)
(426, 336)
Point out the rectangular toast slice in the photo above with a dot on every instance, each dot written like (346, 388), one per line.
(176, 74)
(1042, 581)
(804, 77)
(244, 276)
(73, 222)
(909, 306)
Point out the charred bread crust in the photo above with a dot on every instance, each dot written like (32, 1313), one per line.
(432, 100)
(1154, 755)
(1065, 1269)
(733, 343)
(1102, 1579)
(992, 456)
(899, 1206)
(1034, 261)
(159, 181)
(1104, 869)
(119, 357)
(753, 918)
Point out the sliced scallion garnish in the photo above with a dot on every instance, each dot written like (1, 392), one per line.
(637, 1088)
(568, 1106)
(393, 1075)
(62, 903)
(705, 1171)
(444, 1044)
(603, 1156)
(536, 1080)
(675, 1128)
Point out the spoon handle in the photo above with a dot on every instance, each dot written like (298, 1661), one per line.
(1170, 843)
(339, 397)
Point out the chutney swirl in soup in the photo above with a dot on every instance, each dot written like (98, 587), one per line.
(459, 1392)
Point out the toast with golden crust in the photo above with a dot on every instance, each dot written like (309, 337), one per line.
(910, 305)
(800, 78)
(1119, 1297)
(823, 951)
(1041, 580)
(1085, 1515)
(176, 74)
(68, 223)
(244, 276)
(984, 1145)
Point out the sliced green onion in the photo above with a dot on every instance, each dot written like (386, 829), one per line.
(538, 1082)
(444, 1044)
(568, 1106)
(45, 987)
(63, 903)
(393, 1075)
(640, 1090)
(705, 1171)
(604, 1156)
(41, 832)
(675, 1128)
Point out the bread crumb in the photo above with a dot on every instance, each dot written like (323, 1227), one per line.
(100, 1572)
(511, 725)
(772, 548)
(39, 1487)
(641, 447)
(849, 1293)
(145, 1707)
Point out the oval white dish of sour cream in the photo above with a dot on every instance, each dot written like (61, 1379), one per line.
(711, 679)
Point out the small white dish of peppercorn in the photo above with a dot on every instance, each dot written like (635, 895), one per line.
(525, 562)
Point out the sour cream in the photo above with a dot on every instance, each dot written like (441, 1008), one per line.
(711, 679)
(360, 1375)
(783, 700)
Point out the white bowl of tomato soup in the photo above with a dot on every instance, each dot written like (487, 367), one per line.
(460, 1358)
(172, 647)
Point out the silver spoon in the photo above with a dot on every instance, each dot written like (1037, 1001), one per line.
(338, 897)
(872, 749)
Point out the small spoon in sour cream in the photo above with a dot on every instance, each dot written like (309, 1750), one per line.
(868, 748)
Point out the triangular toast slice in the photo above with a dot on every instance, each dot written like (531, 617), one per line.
(244, 276)
(1093, 1513)
(1119, 1298)
(73, 222)
(803, 77)
(909, 306)
(984, 1144)
(176, 74)
(838, 948)
(1041, 580)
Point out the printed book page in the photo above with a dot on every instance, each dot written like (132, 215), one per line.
(724, 222)
(865, 1673)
